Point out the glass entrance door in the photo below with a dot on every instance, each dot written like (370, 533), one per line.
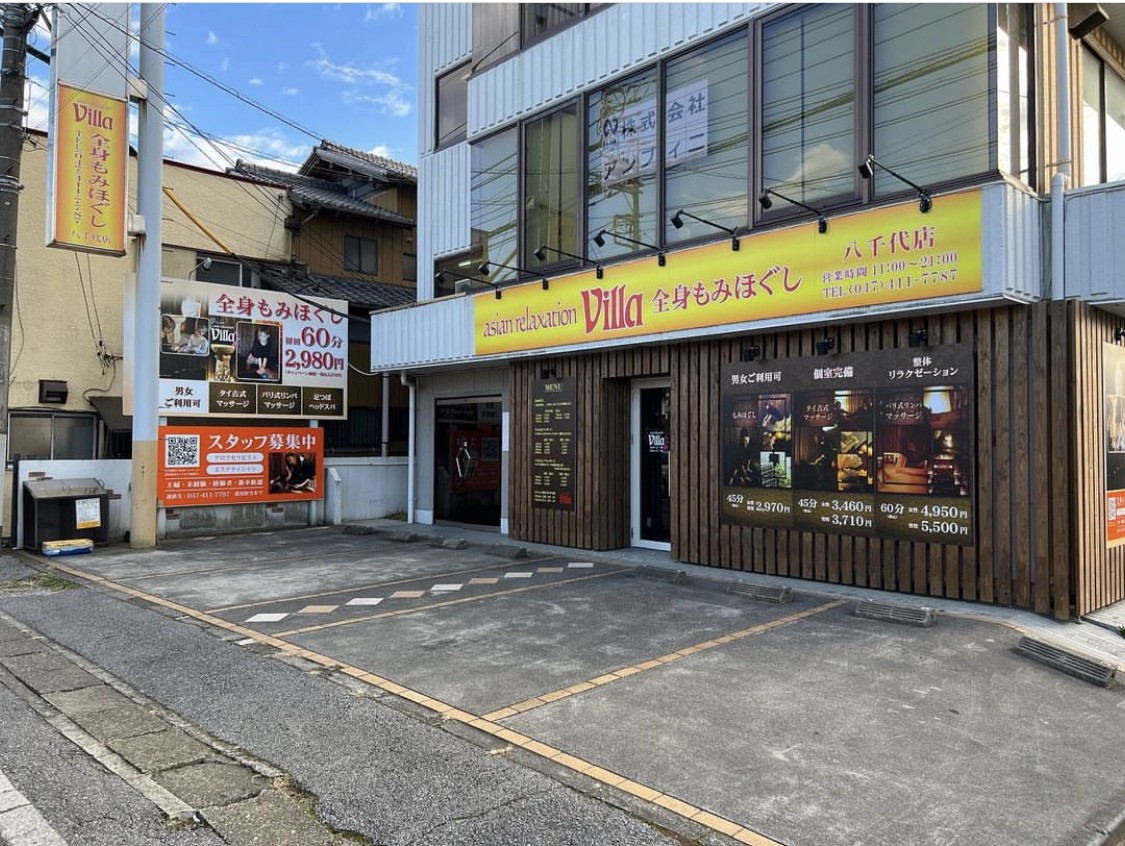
(652, 442)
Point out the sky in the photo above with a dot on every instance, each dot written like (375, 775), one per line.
(346, 72)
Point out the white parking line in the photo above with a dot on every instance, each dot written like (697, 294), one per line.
(20, 823)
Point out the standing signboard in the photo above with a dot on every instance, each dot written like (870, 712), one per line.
(553, 438)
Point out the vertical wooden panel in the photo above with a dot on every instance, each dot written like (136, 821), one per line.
(985, 447)
(1002, 426)
(1040, 468)
(1021, 492)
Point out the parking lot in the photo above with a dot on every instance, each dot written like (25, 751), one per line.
(795, 723)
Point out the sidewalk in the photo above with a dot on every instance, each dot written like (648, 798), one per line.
(194, 779)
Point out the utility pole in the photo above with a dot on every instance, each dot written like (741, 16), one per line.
(18, 21)
(146, 320)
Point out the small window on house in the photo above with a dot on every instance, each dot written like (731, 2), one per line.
(218, 271)
(361, 255)
(51, 436)
(1103, 121)
(452, 106)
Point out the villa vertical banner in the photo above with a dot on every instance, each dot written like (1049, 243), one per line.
(88, 136)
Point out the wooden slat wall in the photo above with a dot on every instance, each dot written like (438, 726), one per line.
(1101, 570)
(1039, 459)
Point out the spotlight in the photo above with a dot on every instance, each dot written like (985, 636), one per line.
(1119, 334)
(918, 338)
(825, 346)
(678, 222)
(541, 256)
(486, 268)
(750, 353)
(766, 203)
(867, 169)
(599, 239)
(549, 373)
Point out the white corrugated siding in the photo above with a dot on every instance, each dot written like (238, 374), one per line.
(414, 336)
(445, 38)
(604, 45)
(1012, 242)
(443, 210)
(1095, 243)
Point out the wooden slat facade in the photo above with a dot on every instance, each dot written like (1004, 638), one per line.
(1040, 521)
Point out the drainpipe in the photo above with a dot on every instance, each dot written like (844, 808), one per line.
(385, 428)
(409, 383)
(1061, 179)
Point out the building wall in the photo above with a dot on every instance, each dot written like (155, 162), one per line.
(320, 245)
(469, 384)
(1025, 496)
(77, 298)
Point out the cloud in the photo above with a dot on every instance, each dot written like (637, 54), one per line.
(224, 65)
(254, 80)
(268, 148)
(212, 39)
(383, 10)
(392, 103)
(374, 86)
(290, 92)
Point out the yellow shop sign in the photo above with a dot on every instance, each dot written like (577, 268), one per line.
(893, 254)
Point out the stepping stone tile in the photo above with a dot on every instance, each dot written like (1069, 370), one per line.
(267, 618)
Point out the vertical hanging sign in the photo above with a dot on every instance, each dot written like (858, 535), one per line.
(88, 139)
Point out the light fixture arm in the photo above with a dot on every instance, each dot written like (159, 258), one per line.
(734, 241)
(486, 268)
(867, 168)
(599, 239)
(821, 221)
(542, 257)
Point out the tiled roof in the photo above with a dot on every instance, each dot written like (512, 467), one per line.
(359, 161)
(356, 292)
(311, 192)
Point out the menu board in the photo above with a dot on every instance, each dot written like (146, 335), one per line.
(878, 444)
(554, 431)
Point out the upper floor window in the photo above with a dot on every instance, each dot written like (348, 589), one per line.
(621, 165)
(361, 255)
(540, 19)
(809, 104)
(931, 97)
(706, 158)
(1103, 121)
(551, 187)
(494, 201)
(452, 109)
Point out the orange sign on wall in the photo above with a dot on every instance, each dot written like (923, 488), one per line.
(888, 255)
(91, 167)
(220, 465)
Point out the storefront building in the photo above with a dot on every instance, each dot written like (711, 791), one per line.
(830, 292)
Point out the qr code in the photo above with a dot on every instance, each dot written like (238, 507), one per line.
(181, 451)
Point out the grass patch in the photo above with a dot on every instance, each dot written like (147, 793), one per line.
(41, 581)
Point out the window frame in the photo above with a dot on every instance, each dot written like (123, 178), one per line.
(1105, 67)
(358, 267)
(459, 72)
(861, 196)
(51, 417)
(525, 252)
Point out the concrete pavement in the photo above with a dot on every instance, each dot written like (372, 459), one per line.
(686, 705)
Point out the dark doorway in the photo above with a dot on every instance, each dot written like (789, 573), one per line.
(467, 461)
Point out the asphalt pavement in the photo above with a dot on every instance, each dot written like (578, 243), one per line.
(445, 686)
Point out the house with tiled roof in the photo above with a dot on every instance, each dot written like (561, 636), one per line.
(351, 232)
